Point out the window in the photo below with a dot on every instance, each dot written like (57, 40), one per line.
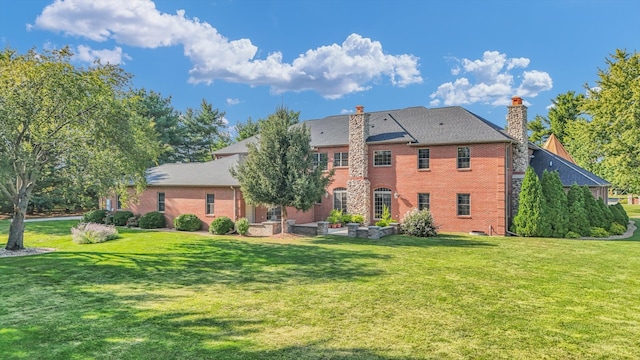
(340, 159)
(423, 201)
(464, 157)
(340, 199)
(161, 202)
(381, 198)
(274, 213)
(320, 159)
(118, 203)
(464, 204)
(382, 158)
(209, 201)
(423, 158)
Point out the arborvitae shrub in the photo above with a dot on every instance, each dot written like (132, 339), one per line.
(607, 216)
(578, 220)
(152, 220)
(556, 211)
(242, 226)
(594, 213)
(618, 217)
(95, 216)
(120, 217)
(598, 232)
(617, 229)
(187, 222)
(622, 211)
(528, 221)
(221, 225)
(419, 223)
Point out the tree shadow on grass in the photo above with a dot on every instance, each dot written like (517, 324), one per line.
(448, 240)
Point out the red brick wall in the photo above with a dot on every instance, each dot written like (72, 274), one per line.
(484, 181)
(190, 200)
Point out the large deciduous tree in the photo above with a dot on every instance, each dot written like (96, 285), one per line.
(565, 108)
(609, 144)
(279, 170)
(81, 122)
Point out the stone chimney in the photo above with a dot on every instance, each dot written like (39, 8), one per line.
(358, 185)
(517, 129)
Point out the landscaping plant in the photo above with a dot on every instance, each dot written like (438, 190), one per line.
(418, 223)
(152, 220)
(221, 226)
(121, 217)
(187, 222)
(95, 216)
(92, 233)
(242, 226)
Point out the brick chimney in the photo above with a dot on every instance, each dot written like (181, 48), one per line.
(358, 185)
(517, 129)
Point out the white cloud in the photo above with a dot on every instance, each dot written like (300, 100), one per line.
(106, 56)
(332, 70)
(232, 102)
(490, 80)
(346, 111)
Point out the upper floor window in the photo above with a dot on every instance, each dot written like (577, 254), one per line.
(464, 157)
(209, 202)
(161, 201)
(464, 204)
(423, 158)
(340, 159)
(381, 198)
(382, 158)
(320, 160)
(340, 199)
(423, 201)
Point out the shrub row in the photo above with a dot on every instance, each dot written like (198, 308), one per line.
(546, 211)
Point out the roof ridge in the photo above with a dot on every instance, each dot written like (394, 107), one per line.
(584, 172)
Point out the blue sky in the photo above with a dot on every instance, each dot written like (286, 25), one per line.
(325, 57)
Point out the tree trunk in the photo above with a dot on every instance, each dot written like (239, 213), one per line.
(16, 229)
(283, 219)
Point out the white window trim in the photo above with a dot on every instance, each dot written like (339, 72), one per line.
(390, 158)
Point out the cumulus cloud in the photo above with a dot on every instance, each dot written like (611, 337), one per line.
(106, 56)
(491, 80)
(333, 70)
(232, 102)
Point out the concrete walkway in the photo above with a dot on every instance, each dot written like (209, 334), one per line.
(54, 218)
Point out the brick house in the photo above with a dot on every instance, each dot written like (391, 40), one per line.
(465, 169)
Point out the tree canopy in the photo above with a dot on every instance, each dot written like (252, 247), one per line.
(565, 108)
(81, 122)
(205, 132)
(279, 170)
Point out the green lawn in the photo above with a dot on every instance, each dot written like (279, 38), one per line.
(167, 295)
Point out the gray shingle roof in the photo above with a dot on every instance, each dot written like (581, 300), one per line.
(210, 173)
(569, 173)
(419, 125)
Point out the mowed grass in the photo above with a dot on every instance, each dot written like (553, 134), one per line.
(170, 295)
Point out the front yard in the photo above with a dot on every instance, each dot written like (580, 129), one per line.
(170, 295)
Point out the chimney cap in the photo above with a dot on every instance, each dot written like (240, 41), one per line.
(359, 109)
(516, 101)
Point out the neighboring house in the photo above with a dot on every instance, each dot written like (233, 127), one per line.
(463, 168)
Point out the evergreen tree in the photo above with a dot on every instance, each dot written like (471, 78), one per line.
(594, 213)
(247, 129)
(606, 214)
(528, 221)
(167, 123)
(205, 131)
(279, 170)
(556, 213)
(578, 221)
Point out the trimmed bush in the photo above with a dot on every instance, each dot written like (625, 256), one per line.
(528, 221)
(419, 223)
(556, 211)
(187, 222)
(95, 216)
(594, 213)
(221, 225)
(152, 220)
(623, 213)
(357, 219)
(242, 226)
(578, 221)
(92, 233)
(120, 217)
(133, 221)
(599, 232)
(572, 235)
(617, 229)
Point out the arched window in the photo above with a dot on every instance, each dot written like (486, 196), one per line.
(381, 198)
(340, 199)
